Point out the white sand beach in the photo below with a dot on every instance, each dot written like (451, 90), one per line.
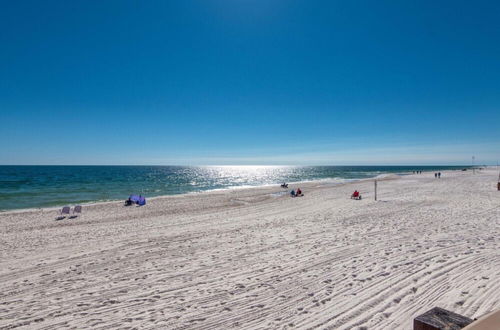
(249, 259)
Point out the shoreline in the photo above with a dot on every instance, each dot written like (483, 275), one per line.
(328, 180)
(325, 181)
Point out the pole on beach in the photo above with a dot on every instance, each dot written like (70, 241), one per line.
(375, 182)
(473, 168)
(498, 184)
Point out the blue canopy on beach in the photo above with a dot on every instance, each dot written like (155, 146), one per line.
(141, 200)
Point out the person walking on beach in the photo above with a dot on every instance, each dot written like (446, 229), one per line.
(435, 175)
(439, 175)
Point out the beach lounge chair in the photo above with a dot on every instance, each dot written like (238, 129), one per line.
(63, 212)
(77, 210)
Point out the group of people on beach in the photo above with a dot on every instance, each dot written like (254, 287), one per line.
(437, 175)
(417, 172)
(297, 193)
(293, 193)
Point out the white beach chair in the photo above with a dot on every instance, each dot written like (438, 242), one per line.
(63, 212)
(77, 210)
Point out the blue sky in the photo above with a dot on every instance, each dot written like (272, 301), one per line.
(249, 82)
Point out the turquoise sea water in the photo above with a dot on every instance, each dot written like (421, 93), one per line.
(44, 186)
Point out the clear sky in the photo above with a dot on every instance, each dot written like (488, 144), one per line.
(249, 82)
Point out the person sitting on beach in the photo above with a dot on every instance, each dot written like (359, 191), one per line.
(355, 195)
(292, 193)
(128, 202)
(299, 192)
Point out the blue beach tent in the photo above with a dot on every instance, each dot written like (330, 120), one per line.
(139, 200)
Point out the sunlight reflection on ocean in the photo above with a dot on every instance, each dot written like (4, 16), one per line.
(43, 186)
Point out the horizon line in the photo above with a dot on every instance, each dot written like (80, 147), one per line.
(249, 165)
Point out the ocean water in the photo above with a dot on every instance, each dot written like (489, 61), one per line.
(44, 186)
